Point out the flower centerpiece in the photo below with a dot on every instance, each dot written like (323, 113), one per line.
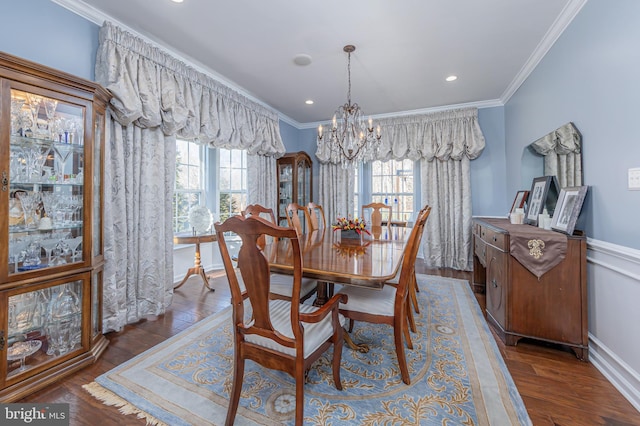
(350, 228)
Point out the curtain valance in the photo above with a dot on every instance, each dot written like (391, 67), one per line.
(444, 135)
(153, 89)
(564, 140)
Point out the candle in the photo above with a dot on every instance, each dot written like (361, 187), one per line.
(335, 123)
(370, 124)
(378, 131)
(320, 131)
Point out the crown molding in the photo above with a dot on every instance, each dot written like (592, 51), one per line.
(555, 31)
(479, 104)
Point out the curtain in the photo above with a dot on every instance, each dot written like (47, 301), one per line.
(562, 155)
(444, 143)
(156, 98)
(335, 191)
(263, 181)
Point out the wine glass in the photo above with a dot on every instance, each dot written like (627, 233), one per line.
(49, 245)
(50, 106)
(33, 102)
(62, 153)
(16, 114)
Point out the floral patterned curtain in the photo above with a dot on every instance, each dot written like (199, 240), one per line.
(157, 98)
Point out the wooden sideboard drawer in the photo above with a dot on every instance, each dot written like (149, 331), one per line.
(496, 239)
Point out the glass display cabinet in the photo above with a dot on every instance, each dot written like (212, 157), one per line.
(51, 198)
(294, 183)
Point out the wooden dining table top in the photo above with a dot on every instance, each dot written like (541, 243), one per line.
(327, 257)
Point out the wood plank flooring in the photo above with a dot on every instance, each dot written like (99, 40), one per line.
(557, 388)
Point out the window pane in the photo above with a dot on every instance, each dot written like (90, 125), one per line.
(189, 188)
(392, 184)
(232, 182)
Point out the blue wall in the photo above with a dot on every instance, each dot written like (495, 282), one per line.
(590, 77)
(43, 32)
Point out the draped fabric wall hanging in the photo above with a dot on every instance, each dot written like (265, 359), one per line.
(157, 98)
(443, 143)
(562, 151)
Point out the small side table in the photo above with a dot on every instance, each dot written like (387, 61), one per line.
(197, 266)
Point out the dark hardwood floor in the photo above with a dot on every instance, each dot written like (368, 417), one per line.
(556, 387)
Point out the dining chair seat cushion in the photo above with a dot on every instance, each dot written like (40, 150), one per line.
(315, 334)
(372, 301)
(283, 284)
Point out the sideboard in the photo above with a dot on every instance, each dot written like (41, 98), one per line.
(549, 304)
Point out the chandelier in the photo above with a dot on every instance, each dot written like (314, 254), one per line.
(351, 140)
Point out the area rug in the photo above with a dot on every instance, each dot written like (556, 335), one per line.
(457, 375)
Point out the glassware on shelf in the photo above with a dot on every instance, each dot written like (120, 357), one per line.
(50, 106)
(64, 323)
(49, 244)
(60, 253)
(16, 114)
(62, 153)
(30, 202)
(22, 350)
(33, 103)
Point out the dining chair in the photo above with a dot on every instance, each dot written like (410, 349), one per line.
(412, 300)
(377, 210)
(280, 334)
(389, 305)
(281, 284)
(293, 216)
(316, 217)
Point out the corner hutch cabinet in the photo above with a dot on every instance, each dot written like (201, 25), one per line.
(51, 198)
(518, 304)
(294, 183)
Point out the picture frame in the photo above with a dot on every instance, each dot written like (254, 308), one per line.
(569, 206)
(519, 201)
(543, 195)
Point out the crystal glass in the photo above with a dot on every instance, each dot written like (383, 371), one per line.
(22, 350)
(16, 114)
(33, 102)
(62, 153)
(64, 320)
(30, 202)
(50, 106)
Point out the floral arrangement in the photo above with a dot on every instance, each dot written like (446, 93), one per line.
(348, 224)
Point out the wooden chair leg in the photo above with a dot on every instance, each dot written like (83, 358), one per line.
(350, 325)
(416, 281)
(337, 355)
(299, 399)
(407, 336)
(413, 294)
(410, 319)
(234, 398)
(398, 330)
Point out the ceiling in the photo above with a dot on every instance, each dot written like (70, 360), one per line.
(404, 48)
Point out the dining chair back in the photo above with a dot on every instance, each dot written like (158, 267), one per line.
(280, 334)
(389, 306)
(281, 284)
(378, 213)
(316, 217)
(294, 211)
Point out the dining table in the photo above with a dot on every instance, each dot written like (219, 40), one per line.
(368, 262)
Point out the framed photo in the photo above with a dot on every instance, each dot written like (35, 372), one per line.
(569, 207)
(520, 201)
(543, 194)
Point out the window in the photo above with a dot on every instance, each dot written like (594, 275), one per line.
(390, 182)
(233, 182)
(189, 185)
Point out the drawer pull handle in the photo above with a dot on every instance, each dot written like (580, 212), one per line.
(494, 283)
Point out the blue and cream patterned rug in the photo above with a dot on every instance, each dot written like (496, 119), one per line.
(458, 376)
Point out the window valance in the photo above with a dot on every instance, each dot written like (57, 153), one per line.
(153, 89)
(564, 140)
(444, 135)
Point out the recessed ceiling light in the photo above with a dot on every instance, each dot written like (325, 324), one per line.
(177, 1)
(308, 102)
(302, 59)
(452, 78)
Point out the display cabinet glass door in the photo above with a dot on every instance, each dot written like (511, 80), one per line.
(46, 182)
(42, 325)
(285, 196)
